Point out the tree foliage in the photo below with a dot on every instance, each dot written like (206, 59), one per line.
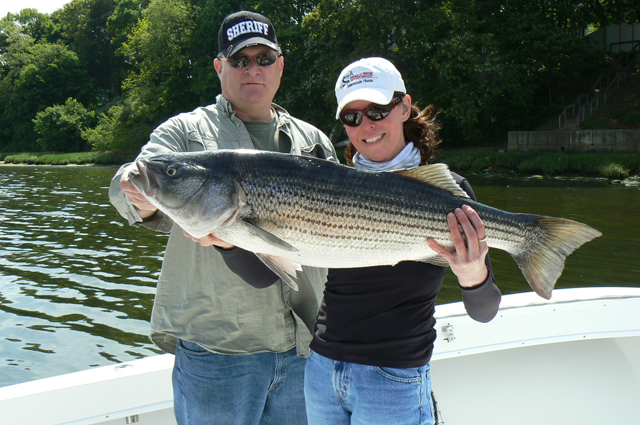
(45, 74)
(83, 26)
(489, 66)
(39, 26)
(60, 127)
(158, 49)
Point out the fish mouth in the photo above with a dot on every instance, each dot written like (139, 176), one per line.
(144, 180)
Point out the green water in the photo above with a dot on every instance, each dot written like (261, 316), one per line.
(610, 260)
(77, 283)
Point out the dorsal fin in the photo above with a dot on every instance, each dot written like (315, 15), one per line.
(437, 175)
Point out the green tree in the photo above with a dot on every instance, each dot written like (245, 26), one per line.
(296, 92)
(38, 25)
(158, 50)
(203, 44)
(83, 25)
(153, 42)
(46, 74)
(117, 129)
(603, 12)
(14, 47)
(121, 24)
(60, 127)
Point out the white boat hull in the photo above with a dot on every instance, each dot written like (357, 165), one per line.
(135, 392)
(572, 360)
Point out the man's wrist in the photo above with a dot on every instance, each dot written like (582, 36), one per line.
(145, 214)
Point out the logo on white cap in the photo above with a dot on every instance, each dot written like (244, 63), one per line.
(371, 79)
(350, 79)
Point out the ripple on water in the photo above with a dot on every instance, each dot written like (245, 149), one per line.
(74, 290)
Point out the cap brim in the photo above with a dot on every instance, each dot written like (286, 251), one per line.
(379, 96)
(252, 42)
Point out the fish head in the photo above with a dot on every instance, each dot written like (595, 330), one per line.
(197, 197)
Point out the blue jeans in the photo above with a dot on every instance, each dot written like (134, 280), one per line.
(349, 393)
(264, 389)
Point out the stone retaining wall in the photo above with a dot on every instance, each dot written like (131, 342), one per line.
(576, 140)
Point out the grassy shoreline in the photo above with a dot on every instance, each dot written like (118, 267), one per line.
(547, 163)
(77, 158)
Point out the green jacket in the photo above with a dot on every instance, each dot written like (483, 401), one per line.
(198, 298)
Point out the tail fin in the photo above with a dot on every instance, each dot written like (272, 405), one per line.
(542, 259)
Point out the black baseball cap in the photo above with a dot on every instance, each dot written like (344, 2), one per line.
(243, 29)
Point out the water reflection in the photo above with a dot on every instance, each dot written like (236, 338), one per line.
(77, 283)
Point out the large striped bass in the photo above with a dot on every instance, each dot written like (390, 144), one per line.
(294, 210)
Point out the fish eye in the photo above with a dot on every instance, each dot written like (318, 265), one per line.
(171, 171)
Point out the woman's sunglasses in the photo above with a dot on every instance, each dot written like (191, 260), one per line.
(373, 112)
(264, 59)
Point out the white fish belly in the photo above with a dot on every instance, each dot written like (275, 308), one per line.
(329, 252)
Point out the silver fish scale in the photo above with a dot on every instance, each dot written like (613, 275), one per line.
(363, 213)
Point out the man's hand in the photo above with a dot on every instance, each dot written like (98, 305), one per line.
(210, 240)
(143, 206)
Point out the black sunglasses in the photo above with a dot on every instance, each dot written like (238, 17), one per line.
(373, 112)
(264, 59)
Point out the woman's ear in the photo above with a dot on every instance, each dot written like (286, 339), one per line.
(406, 107)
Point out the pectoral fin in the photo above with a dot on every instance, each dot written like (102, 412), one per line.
(285, 269)
(269, 238)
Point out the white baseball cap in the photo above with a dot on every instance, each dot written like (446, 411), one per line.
(371, 79)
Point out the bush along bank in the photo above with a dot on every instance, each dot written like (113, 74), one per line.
(608, 165)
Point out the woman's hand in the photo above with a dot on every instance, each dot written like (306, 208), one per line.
(467, 260)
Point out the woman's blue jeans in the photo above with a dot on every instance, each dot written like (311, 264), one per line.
(340, 393)
(257, 389)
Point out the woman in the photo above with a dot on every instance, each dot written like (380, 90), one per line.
(369, 361)
(374, 335)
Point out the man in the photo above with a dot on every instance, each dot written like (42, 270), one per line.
(239, 350)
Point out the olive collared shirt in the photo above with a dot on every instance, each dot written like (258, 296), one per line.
(198, 298)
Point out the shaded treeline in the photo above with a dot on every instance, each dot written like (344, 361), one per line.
(101, 74)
